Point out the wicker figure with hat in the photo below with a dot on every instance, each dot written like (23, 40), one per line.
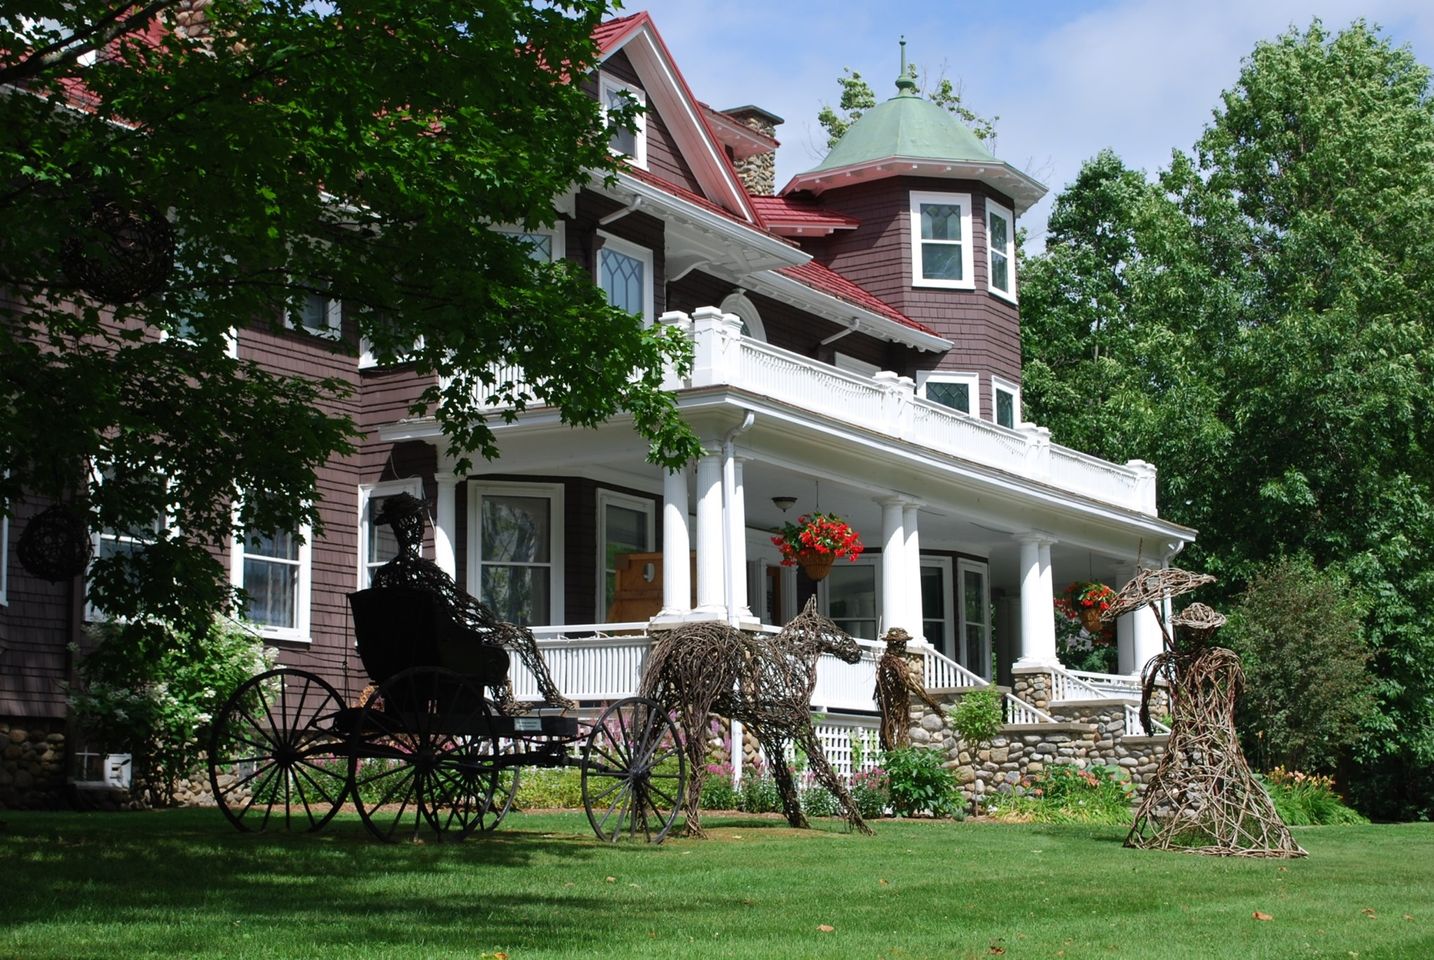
(895, 683)
(404, 513)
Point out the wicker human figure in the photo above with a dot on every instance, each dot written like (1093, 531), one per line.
(404, 513)
(765, 682)
(1202, 797)
(895, 683)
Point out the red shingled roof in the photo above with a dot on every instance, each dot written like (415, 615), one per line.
(683, 193)
(607, 33)
(785, 211)
(827, 281)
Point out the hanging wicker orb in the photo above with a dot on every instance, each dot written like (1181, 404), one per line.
(55, 545)
(121, 253)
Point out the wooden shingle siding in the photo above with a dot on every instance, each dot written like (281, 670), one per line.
(664, 158)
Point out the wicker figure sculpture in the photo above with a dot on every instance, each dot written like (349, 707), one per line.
(1202, 797)
(764, 681)
(895, 683)
(404, 513)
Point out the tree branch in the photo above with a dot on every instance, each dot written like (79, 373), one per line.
(87, 39)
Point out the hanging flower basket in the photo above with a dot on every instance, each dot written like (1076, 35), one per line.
(1089, 600)
(816, 541)
(816, 565)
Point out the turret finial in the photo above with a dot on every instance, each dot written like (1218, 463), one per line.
(905, 83)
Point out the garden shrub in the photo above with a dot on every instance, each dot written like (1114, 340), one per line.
(820, 802)
(152, 690)
(871, 792)
(918, 783)
(978, 716)
(717, 790)
(1065, 793)
(544, 788)
(759, 794)
(1305, 800)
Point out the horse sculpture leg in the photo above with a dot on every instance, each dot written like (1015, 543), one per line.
(774, 746)
(806, 738)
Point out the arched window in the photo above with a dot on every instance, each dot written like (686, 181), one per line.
(737, 302)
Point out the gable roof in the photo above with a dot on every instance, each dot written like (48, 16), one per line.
(823, 279)
(668, 92)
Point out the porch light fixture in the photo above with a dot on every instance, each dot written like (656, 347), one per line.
(784, 503)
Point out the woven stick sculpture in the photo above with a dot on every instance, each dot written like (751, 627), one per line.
(1203, 797)
(895, 683)
(764, 681)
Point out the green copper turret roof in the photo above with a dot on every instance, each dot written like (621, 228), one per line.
(907, 126)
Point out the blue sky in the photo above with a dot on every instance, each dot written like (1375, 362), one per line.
(1065, 78)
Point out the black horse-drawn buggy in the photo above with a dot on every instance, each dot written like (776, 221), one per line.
(427, 754)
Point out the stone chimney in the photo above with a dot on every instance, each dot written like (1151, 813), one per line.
(759, 171)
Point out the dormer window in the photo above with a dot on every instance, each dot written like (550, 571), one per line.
(1001, 250)
(628, 142)
(941, 240)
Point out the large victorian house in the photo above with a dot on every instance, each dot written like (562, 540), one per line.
(857, 346)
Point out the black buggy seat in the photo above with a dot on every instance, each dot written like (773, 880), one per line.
(401, 627)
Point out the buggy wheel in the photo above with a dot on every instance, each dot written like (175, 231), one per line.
(423, 759)
(633, 772)
(277, 757)
(505, 788)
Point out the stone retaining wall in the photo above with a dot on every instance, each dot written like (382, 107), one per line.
(1088, 733)
(32, 764)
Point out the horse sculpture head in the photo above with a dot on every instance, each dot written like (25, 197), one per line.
(809, 628)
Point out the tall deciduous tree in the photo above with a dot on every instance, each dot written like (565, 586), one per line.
(1263, 309)
(360, 151)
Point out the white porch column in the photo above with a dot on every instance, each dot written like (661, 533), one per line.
(1145, 639)
(710, 557)
(893, 566)
(445, 523)
(676, 546)
(914, 613)
(1038, 625)
(741, 612)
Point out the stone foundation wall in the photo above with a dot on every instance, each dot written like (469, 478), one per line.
(1088, 733)
(32, 764)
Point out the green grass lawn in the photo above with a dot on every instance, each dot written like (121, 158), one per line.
(185, 884)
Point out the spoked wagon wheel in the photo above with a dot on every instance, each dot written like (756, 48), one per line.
(424, 757)
(506, 787)
(633, 772)
(277, 757)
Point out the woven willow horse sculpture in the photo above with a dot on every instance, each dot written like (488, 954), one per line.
(763, 680)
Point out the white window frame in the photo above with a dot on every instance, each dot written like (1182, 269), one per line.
(300, 631)
(918, 279)
(999, 384)
(92, 613)
(557, 551)
(609, 84)
(606, 498)
(824, 593)
(231, 341)
(367, 494)
(333, 320)
(629, 249)
(946, 642)
(962, 565)
(997, 210)
(739, 304)
(556, 233)
(972, 381)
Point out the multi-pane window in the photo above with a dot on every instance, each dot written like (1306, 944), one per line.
(628, 141)
(377, 543)
(625, 275)
(974, 630)
(625, 525)
(1006, 401)
(955, 390)
(112, 542)
(1000, 246)
(271, 580)
(851, 598)
(321, 316)
(941, 239)
(936, 603)
(519, 558)
(273, 570)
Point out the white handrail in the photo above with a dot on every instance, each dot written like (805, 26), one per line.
(1067, 686)
(1134, 728)
(1112, 683)
(942, 673)
(1019, 711)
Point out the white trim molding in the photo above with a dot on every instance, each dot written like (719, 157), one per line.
(557, 557)
(1000, 385)
(962, 201)
(605, 499)
(610, 87)
(1007, 251)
